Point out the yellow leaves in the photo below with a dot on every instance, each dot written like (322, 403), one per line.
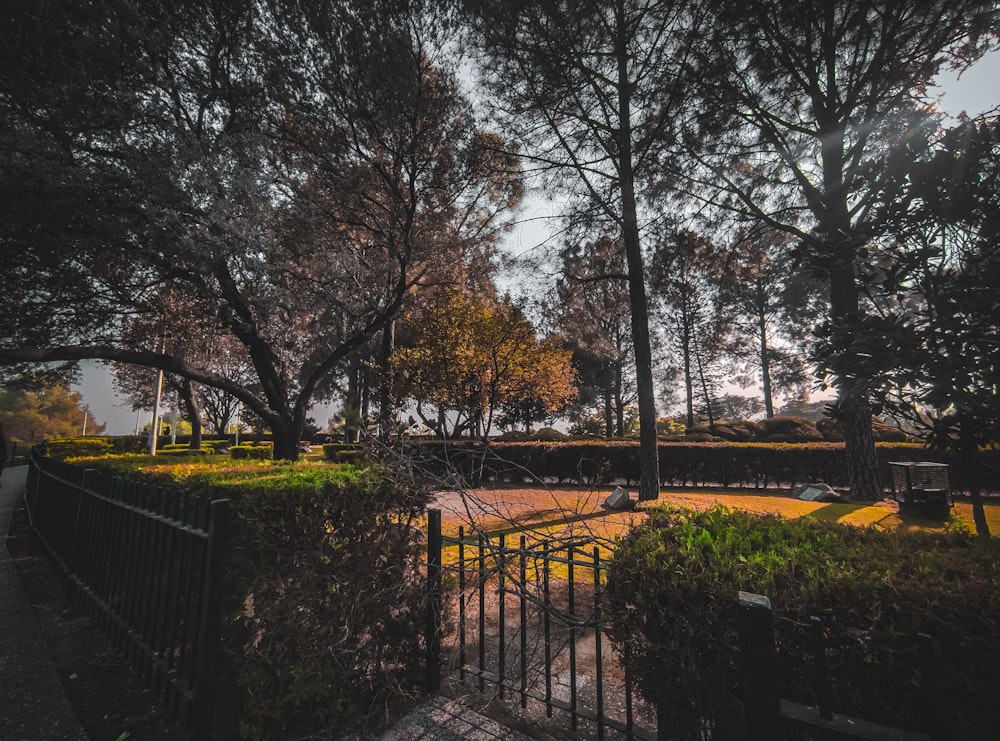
(475, 353)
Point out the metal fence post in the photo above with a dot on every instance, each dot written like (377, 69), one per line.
(432, 626)
(762, 708)
(210, 620)
(75, 536)
(930, 712)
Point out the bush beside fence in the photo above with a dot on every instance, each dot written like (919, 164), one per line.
(324, 630)
(671, 594)
(146, 565)
(322, 621)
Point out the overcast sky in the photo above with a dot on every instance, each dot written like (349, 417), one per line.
(976, 91)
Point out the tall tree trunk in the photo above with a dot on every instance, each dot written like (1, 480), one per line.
(862, 463)
(968, 451)
(619, 402)
(765, 363)
(705, 393)
(609, 417)
(688, 375)
(859, 447)
(365, 391)
(386, 422)
(352, 404)
(286, 435)
(649, 479)
(192, 412)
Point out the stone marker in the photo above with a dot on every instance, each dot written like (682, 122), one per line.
(618, 499)
(817, 493)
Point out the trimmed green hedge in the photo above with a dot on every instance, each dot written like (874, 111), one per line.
(671, 600)
(330, 450)
(681, 464)
(185, 452)
(252, 452)
(323, 626)
(92, 446)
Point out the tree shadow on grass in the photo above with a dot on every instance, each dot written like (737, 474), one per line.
(841, 512)
(834, 511)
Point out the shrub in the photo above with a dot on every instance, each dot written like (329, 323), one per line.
(325, 631)
(548, 434)
(253, 452)
(78, 446)
(513, 435)
(789, 430)
(681, 463)
(330, 450)
(349, 456)
(672, 601)
(741, 431)
(185, 452)
(323, 626)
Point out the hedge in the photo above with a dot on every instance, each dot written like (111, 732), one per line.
(671, 601)
(681, 464)
(330, 450)
(253, 452)
(323, 627)
(92, 446)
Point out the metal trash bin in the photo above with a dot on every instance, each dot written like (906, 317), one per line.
(921, 487)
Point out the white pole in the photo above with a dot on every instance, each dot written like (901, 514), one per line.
(84, 433)
(154, 430)
(138, 414)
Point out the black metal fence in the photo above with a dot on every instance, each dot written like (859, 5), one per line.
(769, 716)
(147, 565)
(526, 622)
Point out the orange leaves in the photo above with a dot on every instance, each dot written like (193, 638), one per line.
(474, 354)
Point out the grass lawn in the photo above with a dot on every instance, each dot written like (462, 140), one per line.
(566, 508)
(542, 514)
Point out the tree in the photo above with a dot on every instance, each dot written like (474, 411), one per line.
(766, 302)
(593, 315)
(941, 339)
(687, 269)
(299, 174)
(45, 413)
(590, 88)
(473, 356)
(809, 104)
(184, 326)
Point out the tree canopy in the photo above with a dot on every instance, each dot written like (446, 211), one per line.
(806, 108)
(295, 176)
(475, 358)
(30, 415)
(249, 196)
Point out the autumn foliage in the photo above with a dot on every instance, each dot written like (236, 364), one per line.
(477, 359)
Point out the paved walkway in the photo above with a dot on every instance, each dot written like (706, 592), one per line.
(445, 719)
(33, 704)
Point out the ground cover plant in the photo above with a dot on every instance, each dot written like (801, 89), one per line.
(672, 599)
